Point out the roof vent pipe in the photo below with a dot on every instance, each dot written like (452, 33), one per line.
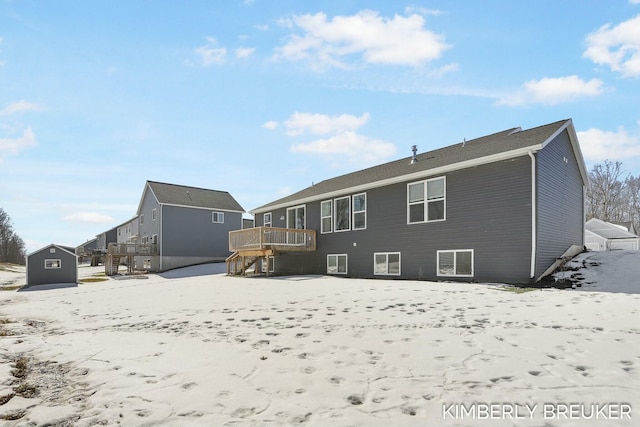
(414, 159)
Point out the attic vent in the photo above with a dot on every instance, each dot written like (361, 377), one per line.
(414, 149)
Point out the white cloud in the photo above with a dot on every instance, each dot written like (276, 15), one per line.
(89, 217)
(598, 145)
(210, 54)
(15, 145)
(322, 124)
(20, 107)
(553, 91)
(263, 27)
(634, 1)
(350, 146)
(618, 46)
(244, 52)
(378, 40)
(271, 125)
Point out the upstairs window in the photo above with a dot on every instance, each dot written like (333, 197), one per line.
(154, 214)
(360, 211)
(217, 217)
(266, 219)
(343, 214)
(141, 219)
(326, 218)
(426, 200)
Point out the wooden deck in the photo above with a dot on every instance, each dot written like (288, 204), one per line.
(252, 244)
(117, 251)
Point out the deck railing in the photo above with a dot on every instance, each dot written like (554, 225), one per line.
(279, 239)
(125, 249)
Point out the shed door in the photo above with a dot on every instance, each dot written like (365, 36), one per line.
(625, 245)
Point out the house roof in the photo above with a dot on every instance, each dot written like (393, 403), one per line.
(68, 249)
(607, 230)
(181, 195)
(503, 145)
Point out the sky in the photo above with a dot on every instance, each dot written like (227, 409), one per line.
(263, 98)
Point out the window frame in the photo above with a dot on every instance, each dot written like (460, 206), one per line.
(295, 210)
(154, 214)
(425, 200)
(219, 215)
(49, 266)
(386, 273)
(354, 212)
(141, 219)
(272, 264)
(330, 216)
(264, 219)
(335, 214)
(455, 260)
(346, 263)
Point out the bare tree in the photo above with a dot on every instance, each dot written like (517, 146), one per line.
(12, 248)
(605, 192)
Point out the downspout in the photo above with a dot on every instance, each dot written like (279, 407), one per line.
(160, 234)
(533, 214)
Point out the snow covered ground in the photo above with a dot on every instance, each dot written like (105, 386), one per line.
(193, 347)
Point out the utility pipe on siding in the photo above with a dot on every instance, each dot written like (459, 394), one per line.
(533, 214)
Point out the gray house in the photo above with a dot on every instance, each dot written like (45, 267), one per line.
(52, 264)
(189, 225)
(503, 208)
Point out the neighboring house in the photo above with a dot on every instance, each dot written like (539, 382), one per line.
(605, 236)
(248, 223)
(86, 249)
(189, 225)
(128, 231)
(52, 264)
(103, 239)
(503, 207)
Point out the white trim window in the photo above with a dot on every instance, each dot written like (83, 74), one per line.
(337, 264)
(141, 219)
(297, 217)
(342, 215)
(145, 240)
(426, 200)
(217, 217)
(272, 264)
(360, 211)
(266, 219)
(326, 217)
(154, 214)
(52, 263)
(456, 263)
(386, 263)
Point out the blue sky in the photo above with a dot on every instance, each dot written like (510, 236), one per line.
(262, 98)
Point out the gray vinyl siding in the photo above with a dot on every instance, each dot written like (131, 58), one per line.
(37, 274)
(149, 227)
(190, 232)
(488, 209)
(560, 221)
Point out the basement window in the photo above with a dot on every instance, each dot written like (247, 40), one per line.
(386, 264)
(337, 264)
(456, 263)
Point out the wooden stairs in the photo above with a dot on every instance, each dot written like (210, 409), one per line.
(112, 264)
(240, 261)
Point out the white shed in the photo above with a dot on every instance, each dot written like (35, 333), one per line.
(605, 236)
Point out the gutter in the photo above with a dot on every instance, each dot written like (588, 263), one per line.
(533, 214)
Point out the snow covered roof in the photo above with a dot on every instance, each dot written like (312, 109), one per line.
(607, 230)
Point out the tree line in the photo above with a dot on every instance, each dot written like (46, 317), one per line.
(611, 196)
(12, 248)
